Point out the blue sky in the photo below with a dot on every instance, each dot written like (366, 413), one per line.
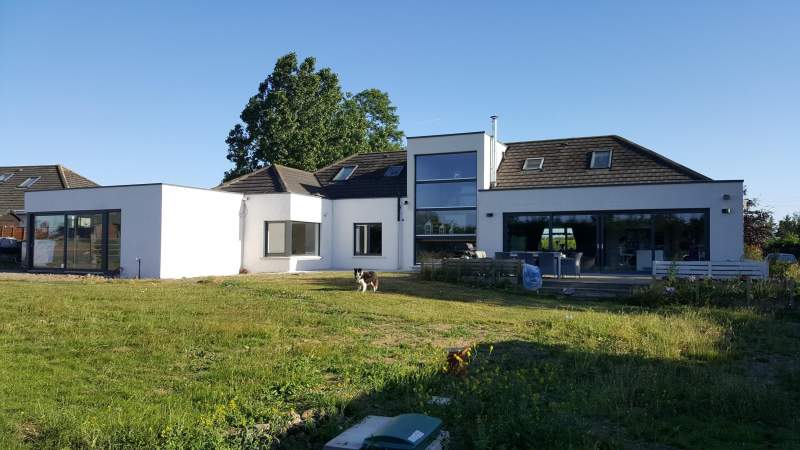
(147, 91)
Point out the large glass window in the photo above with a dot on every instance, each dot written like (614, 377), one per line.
(276, 238)
(77, 241)
(48, 242)
(445, 201)
(447, 166)
(114, 240)
(291, 238)
(681, 236)
(447, 222)
(85, 241)
(624, 241)
(367, 239)
(447, 195)
(305, 238)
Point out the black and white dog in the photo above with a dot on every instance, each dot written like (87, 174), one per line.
(365, 279)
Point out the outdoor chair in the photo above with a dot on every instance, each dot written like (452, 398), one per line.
(571, 265)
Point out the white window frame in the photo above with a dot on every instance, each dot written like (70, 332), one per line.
(6, 176)
(30, 181)
(366, 244)
(592, 164)
(336, 177)
(533, 166)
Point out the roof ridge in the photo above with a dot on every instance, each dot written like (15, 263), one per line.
(60, 170)
(278, 175)
(658, 156)
(563, 139)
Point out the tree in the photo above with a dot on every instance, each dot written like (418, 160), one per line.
(301, 118)
(789, 226)
(758, 224)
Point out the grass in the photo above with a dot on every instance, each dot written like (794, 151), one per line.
(288, 361)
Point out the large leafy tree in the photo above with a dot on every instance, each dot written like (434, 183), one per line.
(789, 226)
(300, 117)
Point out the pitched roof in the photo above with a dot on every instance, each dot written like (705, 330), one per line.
(274, 178)
(56, 176)
(565, 164)
(367, 181)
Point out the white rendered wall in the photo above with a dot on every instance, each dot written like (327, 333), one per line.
(141, 219)
(726, 230)
(348, 212)
(261, 208)
(199, 232)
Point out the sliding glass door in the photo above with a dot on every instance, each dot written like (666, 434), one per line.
(624, 241)
(82, 241)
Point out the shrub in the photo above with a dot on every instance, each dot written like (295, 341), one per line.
(768, 294)
(788, 244)
(753, 252)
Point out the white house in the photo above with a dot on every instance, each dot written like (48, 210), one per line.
(614, 204)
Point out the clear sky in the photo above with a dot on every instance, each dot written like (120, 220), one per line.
(147, 91)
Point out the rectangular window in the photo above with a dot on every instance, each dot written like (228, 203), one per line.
(367, 239)
(5, 176)
(459, 194)
(600, 159)
(276, 238)
(291, 238)
(447, 166)
(533, 164)
(344, 173)
(445, 201)
(81, 241)
(305, 238)
(48, 242)
(30, 181)
(393, 171)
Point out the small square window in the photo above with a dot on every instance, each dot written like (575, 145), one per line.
(367, 239)
(393, 171)
(601, 159)
(5, 176)
(30, 181)
(533, 164)
(344, 173)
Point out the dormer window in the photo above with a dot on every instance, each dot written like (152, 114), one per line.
(533, 164)
(600, 159)
(30, 181)
(5, 176)
(393, 171)
(344, 173)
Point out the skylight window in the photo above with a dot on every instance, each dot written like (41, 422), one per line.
(30, 181)
(533, 164)
(5, 176)
(344, 173)
(393, 171)
(601, 159)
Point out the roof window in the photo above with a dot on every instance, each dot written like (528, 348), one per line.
(5, 176)
(600, 159)
(393, 171)
(344, 173)
(533, 164)
(30, 181)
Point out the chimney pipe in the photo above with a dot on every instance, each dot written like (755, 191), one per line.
(492, 152)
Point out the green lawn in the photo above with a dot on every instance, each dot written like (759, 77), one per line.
(231, 362)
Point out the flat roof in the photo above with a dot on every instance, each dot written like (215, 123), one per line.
(446, 134)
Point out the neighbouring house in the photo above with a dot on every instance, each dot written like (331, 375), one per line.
(15, 181)
(618, 204)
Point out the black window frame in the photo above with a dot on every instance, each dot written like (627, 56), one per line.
(287, 239)
(369, 241)
(31, 237)
(471, 238)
